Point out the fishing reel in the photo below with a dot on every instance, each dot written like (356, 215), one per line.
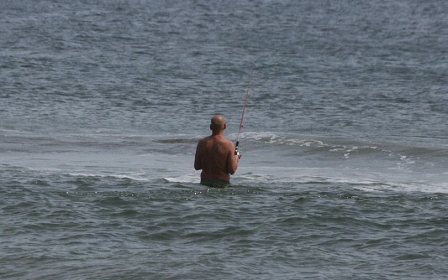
(237, 153)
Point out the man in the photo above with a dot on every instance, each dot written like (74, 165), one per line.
(215, 155)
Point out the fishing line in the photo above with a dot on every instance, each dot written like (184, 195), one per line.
(244, 109)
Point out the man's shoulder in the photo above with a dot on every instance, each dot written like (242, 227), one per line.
(227, 143)
(205, 139)
(223, 139)
(216, 140)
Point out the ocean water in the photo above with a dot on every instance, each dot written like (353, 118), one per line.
(344, 146)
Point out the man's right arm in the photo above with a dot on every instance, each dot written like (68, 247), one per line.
(197, 159)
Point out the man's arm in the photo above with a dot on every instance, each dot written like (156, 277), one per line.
(197, 159)
(232, 159)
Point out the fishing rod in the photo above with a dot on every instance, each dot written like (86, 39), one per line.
(242, 115)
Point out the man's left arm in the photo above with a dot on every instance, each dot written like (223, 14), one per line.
(232, 159)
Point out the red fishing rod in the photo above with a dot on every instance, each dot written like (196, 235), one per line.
(242, 115)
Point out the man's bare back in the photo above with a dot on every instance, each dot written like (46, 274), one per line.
(215, 154)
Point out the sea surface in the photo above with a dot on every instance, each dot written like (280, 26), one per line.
(344, 168)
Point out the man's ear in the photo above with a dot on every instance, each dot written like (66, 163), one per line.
(224, 126)
(211, 127)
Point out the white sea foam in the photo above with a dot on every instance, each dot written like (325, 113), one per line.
(187, 178)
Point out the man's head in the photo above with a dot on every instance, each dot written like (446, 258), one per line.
(218, 123)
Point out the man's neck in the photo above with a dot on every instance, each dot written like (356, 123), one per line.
(218, 133)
